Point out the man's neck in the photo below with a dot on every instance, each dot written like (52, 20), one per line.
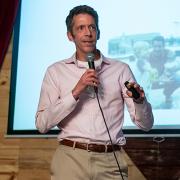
(82, 57)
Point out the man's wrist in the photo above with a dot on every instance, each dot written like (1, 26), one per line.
(75, 94)
(139, 101)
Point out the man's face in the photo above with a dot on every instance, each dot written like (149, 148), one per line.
(158, 47)
(84, 34)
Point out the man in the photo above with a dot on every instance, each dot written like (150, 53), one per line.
(159, 56)
(161, 59)
(69, 102)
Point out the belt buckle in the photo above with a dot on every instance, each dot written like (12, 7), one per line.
(106, 148)
(74, 145)
(87, 147)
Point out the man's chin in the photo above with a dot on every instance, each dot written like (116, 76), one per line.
(89, 49)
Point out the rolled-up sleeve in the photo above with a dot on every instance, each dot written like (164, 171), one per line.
(141, 114)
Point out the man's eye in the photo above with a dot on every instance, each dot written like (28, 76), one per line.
(92, 27)
(80, 27)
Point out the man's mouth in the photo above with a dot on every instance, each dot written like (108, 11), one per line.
(89, 43)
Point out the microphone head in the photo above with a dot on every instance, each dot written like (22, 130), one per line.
(90, 56)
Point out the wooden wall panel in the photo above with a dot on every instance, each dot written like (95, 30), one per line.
(9, 162)
(35, 158)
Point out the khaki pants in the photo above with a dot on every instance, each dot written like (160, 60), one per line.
(78, 164)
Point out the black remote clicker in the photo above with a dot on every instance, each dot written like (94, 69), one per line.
(135, 93)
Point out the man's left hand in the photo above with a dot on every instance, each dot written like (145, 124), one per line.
(139, 89)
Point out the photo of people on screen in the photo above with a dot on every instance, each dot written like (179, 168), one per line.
(155, 61)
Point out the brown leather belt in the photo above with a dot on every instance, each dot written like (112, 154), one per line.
(90, 147)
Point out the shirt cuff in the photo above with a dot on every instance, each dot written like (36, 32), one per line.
(140, 108)
(69, 101)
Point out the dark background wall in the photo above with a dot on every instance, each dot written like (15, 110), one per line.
(155, 161)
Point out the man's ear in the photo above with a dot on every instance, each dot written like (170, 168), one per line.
(70, 36)
(98, 34)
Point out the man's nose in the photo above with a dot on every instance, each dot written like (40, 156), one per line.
(88, 31)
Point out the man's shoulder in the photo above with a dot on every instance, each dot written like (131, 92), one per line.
(59, 63)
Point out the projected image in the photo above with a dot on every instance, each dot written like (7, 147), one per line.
(155, 61)
(143, 34)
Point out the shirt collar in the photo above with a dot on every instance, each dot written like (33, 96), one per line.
(72, 60)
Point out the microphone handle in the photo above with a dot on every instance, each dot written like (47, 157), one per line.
(91, 66)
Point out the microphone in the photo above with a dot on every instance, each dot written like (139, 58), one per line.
(90, 59)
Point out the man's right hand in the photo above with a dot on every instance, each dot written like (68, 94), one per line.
(89, 78)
